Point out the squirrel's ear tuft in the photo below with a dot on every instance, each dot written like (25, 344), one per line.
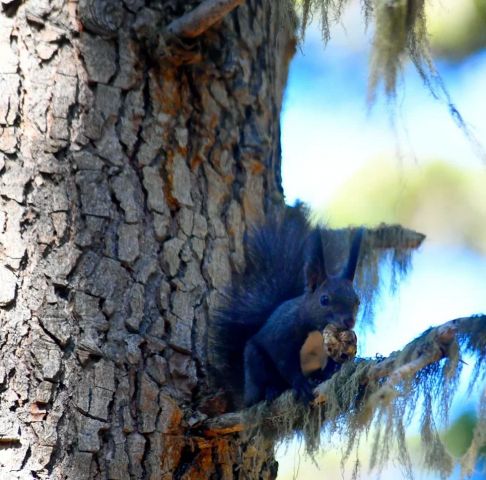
(315, 267)
(354, 252)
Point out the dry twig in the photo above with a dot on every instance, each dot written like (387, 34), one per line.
(205, 15)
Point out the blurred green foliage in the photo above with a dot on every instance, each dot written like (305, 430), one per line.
(458, 436)
(446, 202)
(457, 27)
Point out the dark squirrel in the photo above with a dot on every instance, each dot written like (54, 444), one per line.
(284, 294)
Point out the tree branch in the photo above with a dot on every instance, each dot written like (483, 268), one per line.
(205, 15)
(428, 350)
(394, 236)
(439, 338)
(421, 352)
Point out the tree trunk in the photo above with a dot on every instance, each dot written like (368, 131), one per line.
(129, 172)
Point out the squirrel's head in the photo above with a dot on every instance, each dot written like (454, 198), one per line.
(331, 299)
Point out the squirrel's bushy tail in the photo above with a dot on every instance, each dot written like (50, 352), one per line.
(275, 257)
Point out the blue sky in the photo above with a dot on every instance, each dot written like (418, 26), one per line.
(328, 132)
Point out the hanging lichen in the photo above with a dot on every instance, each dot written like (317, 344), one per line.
(384, 247)
(469, 459)
(399, 31)
(399, 35)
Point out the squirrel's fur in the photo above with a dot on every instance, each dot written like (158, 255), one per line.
(283, 295)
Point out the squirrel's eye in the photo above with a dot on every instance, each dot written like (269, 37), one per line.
(325, 300)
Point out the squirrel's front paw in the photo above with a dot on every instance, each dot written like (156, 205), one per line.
(303, 390)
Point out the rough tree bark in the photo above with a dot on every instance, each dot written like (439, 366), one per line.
(129, 169)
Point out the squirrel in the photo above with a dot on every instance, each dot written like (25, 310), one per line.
(285, 293)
